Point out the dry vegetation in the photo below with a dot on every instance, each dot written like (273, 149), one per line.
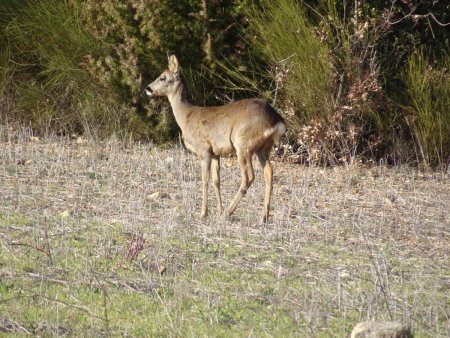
(103, 238)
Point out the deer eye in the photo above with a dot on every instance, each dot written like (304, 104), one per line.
(162, 78)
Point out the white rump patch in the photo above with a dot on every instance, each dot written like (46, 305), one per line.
(276, 131)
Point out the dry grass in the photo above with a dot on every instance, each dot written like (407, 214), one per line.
(102, 238)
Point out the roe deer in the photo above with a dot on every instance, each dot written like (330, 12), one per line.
(243, 127)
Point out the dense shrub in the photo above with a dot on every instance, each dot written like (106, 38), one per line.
(44, 43)
(325, 76)
(427, 108)
(347, 58)
(87, 62)
(353, 79)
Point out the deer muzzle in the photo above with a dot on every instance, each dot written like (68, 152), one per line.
(148, 91)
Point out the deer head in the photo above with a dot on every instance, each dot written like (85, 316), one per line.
(168, 82)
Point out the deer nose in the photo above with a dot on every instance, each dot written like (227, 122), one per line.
(148, 91)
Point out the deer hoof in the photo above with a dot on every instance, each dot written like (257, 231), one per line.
(264, 220)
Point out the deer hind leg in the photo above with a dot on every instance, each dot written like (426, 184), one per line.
(245, 164)
(206, 167)
(263, 157)
(215, 171)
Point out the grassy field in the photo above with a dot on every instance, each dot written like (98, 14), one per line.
(103, 239)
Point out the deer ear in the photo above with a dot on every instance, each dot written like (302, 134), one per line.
(174, 66)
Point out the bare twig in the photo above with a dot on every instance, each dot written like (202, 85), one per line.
(418, 17)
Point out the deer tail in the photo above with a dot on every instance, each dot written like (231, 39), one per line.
(276, 132)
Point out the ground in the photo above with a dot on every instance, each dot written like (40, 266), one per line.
(103, 239)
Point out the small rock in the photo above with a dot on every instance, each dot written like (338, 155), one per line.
(65, 214)
(381, 330)
(154, 196)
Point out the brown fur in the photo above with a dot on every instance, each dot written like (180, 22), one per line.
(243, 127)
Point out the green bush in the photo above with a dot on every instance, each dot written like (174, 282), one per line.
(428, 107)
(50, 89)
(327, 87)
(302, 63)
(336, 82)
(81, 65)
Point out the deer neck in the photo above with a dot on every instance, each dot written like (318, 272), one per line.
(180, 104)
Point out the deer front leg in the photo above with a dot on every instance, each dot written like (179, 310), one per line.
(215, 169)
(206, 166)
